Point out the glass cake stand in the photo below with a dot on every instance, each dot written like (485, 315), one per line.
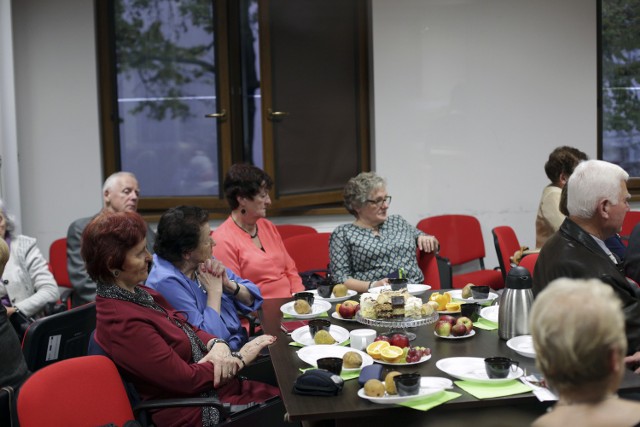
(399, 325)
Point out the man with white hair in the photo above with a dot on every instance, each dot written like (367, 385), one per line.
(120, 193)
(597, 201)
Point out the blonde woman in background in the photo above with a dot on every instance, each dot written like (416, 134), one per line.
(580, 347)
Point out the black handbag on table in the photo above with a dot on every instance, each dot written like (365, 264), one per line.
(318, 382)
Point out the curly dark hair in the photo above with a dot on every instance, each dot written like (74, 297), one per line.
(179, 232)
(563, 160)
(107, 239)
(243, 180)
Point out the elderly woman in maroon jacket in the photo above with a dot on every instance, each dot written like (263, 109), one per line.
(150, 342)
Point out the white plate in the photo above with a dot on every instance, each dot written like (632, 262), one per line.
(472, 369)
(457, 294)
(317, 309)
(312, 353)
(302, 335)
(336, 315)
(451, 337)
(448, 312)
(413, 288)
(389, 399)
(490, 313)
(349, 294)
(523, 345)
(423, 359)
(435, 382)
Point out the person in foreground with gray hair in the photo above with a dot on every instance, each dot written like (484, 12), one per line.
(120, 193)
(580, 347)
(364, 253)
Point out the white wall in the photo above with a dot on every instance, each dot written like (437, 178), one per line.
(470, 97)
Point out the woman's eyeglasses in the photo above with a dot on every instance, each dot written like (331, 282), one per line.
(381, 201)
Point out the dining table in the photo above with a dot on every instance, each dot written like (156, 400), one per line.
(348, 409)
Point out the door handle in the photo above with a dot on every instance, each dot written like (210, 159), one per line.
(276, 115)
(221, 115)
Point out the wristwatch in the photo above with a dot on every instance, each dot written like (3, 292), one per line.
(218, 340)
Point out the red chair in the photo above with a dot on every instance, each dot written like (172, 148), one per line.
(429, 263)
(529, 262)
(309, 251)
(506, 243)
(290, 230)
(461, 241)
(630, 220)
(84, 391)
(58, 267)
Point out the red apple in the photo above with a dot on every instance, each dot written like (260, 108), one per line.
(458, 330)
(466, 322)
(382, 338)
(347, 311)
(443, 328)
(400, 340)
(449, 319)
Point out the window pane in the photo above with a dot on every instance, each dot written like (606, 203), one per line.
(165, 62)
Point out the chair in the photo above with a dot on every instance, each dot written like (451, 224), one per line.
(309, 251)
(506, 242)
(434, 269)
(290, 230)
(529, 262)
(630, 220)
(58, 267)
(59, 336)
(84, 391)
(461, 241)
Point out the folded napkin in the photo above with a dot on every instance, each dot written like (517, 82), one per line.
(489, 391)
(297, 344)
(345, 375)
(427, 402)
(289, 316)
(542, 393)
(485, 324)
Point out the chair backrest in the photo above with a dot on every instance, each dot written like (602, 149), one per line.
(309, 251)
(630, 220)
(506, 243)
(59, 336)
(84, 391)
(290, 230)
(428, 263)
(460, 237)
(58, 262)
(529, 262)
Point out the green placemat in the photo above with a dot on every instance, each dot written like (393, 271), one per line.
(489, 391)
(344, 375)
(485, 324)
(428, 402)
(297, 344)
(289, 316)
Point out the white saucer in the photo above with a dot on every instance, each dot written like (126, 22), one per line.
(312, 353)
(349, 294)
(336, 315)
(390, 399)
(490, 313)
(472, 369)
(523, 345)
(317, 309)
(451, 337)
(457, 294)
(302, 335)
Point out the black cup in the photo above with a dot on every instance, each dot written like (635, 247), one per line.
(316, 325)
(331, 364)
(307, 296)
(325, 290)
(407, 384)
(397, 284)
(480, 292)
(498, 367)
(470, 310)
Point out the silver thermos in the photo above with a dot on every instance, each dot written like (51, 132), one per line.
(515, 304)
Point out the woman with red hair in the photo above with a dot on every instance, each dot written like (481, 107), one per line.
(151, 343)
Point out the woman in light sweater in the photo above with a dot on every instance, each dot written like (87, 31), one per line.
(28, 283)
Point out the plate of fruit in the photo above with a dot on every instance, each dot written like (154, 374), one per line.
(394, 349)
(452, 328)
(335, 335)
(346, 311)
(337, 295)
(351, 362)
(385, 392)
(300, 309)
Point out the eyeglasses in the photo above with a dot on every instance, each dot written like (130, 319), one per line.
(381, 201)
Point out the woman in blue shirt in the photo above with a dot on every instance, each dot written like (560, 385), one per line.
(183, 271)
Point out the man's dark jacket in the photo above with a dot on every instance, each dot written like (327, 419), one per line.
(573, 253)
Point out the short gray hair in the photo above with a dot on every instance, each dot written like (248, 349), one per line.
(108, 183)
(591, 182)
(358, 189)
(10, 220)
(576, 324)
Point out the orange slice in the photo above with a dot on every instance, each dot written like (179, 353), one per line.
(453, 306)
(391, 354)
(376, 347)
